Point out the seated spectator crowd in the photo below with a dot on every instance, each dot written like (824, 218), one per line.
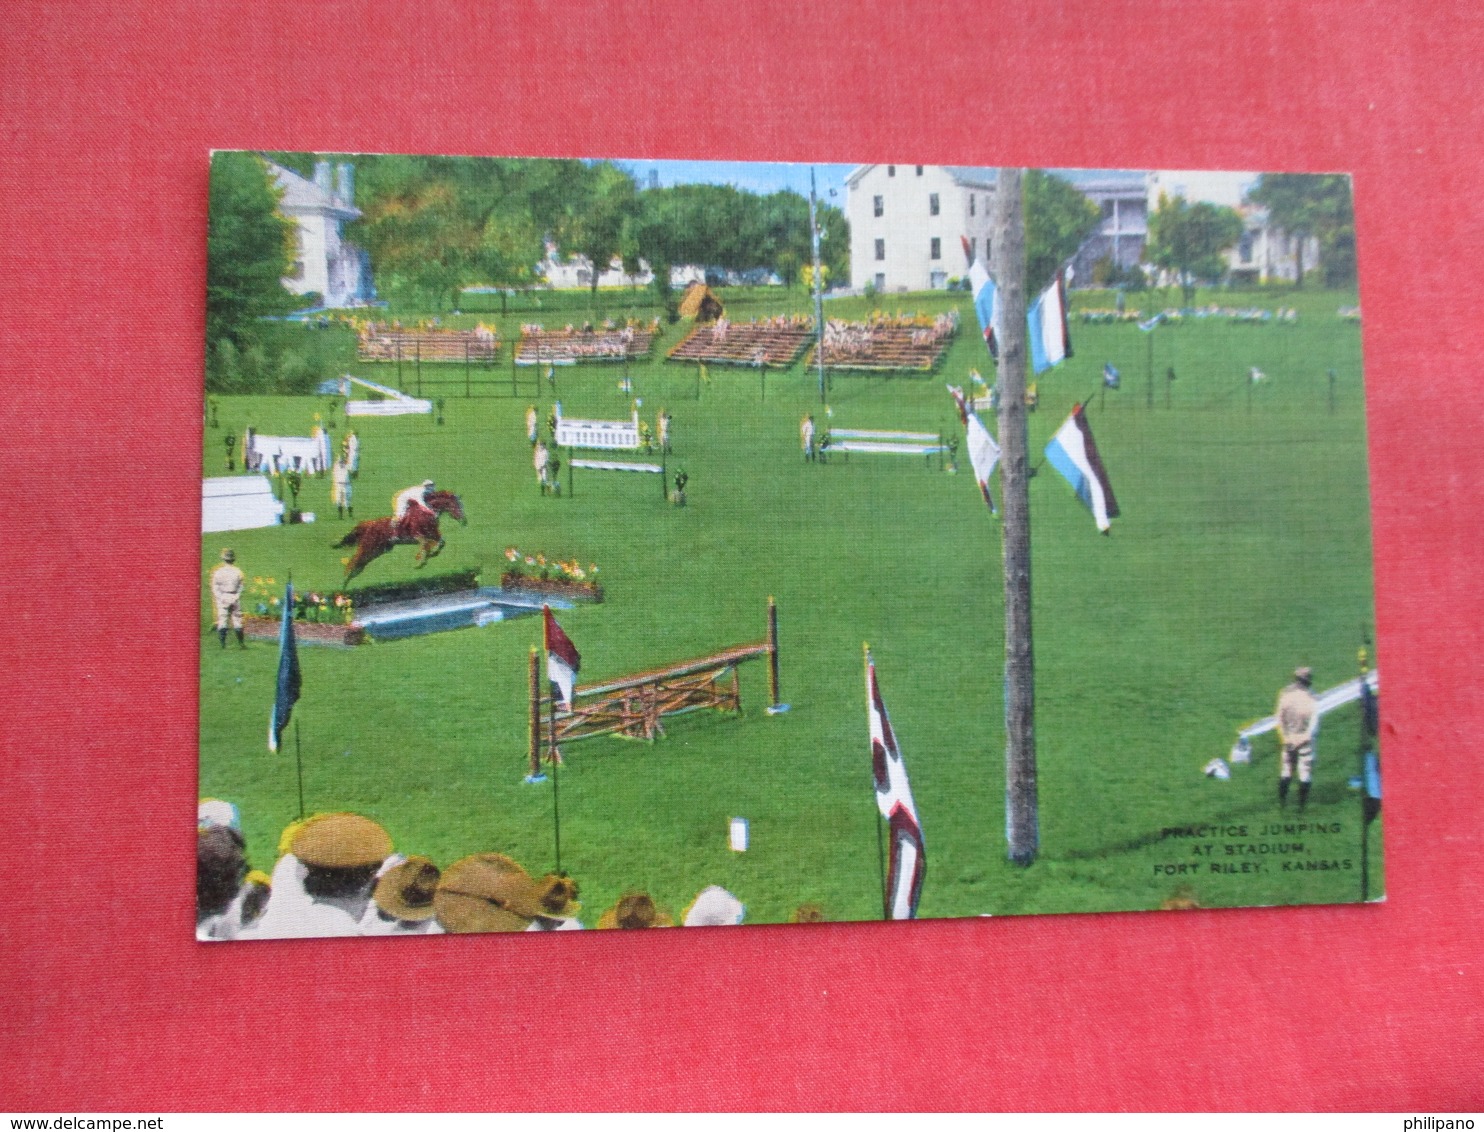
(611, 342)
(777, 340)
(337, 874)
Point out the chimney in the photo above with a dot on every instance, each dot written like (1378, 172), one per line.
(345, 183)
(322, 176)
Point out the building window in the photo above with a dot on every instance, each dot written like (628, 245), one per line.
(932, 204)
(1244, 248)
(880, 249)
(937, 249)
(971, 204)
(880, 281)
(919, 170)
(879, 204)
(891, 170)
(973, 246)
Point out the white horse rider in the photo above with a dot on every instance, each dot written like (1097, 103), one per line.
(405, 498)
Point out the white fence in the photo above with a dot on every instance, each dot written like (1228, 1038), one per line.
(613, 435)
(274, 454)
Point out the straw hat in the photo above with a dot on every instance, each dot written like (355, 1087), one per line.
(1304, 675)
(405, 887)
(553, 897)
(228, 555)
(476, 894)
(714, 907)
(635, 910)
(340, 841)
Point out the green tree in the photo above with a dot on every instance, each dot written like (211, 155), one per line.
(1057, 219)
(1308, 205)
(610, 200)
(434, 225)
(1189, 239)
(249, 247)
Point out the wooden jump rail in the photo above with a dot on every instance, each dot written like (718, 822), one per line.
(636, 705)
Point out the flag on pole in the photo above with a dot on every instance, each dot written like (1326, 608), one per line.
(1111, 377)
(908, 855)
(1073, 454)
(287, 694)
(984, 453)
(984, 300)
(1049, 338)
(562, 658)
(1149, 324)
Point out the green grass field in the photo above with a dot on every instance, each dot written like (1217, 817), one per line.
(1243, 550)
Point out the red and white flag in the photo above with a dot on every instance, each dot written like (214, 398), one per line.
(984, 453)
(907, 860)
(562, 658)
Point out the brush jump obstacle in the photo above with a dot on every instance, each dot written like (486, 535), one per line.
(635, 706)
(924, 444)
(606, 436)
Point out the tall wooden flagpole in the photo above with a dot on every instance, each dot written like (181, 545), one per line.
(1007, 266)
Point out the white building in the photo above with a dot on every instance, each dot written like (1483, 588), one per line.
(907, 223)
(1122, 232)
(576, 273)
(325, 262)
(1264, 253)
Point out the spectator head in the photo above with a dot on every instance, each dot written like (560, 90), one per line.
(228, 555)
(635, 910)
(481, 893)
(213, 811)
(405, 887)
(714, 907)
(341, 851)
(1304, 675)
(221, 863)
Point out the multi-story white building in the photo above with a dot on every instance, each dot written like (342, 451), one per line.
(1122, 232)
(907, 223)
(325, 263)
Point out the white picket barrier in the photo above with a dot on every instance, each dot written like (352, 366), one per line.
(573, 433)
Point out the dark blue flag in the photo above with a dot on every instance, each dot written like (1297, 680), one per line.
(1369, 709)
(287, 694)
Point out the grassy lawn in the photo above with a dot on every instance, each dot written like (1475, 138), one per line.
(1243, 551)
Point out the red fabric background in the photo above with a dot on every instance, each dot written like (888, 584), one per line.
(108, 111)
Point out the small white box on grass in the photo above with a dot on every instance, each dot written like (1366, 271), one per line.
(739, 835)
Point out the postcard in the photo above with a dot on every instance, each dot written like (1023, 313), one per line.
(636, 544)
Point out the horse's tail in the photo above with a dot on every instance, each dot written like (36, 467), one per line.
(351, 539)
